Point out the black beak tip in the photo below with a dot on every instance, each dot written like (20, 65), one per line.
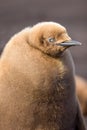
(76, 43)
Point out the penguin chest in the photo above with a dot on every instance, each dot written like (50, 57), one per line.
(52, 99)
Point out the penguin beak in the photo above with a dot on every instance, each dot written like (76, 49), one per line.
(69, 43)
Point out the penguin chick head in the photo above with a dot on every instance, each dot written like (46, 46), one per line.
(50, 38)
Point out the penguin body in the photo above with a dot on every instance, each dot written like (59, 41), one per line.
(37, 86)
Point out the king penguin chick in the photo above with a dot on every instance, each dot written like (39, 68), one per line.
(37, 87)
(81, 90)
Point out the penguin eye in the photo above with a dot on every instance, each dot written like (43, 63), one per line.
(51, 39)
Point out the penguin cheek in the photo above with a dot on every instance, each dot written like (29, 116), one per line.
(54, 50)
(61, 49)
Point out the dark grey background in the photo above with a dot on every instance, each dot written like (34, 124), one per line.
(18, 14)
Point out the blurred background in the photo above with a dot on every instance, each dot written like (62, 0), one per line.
(18, 14)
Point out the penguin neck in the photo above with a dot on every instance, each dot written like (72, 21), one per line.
(68, 61)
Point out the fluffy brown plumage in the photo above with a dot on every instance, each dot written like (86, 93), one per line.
(37, 87)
